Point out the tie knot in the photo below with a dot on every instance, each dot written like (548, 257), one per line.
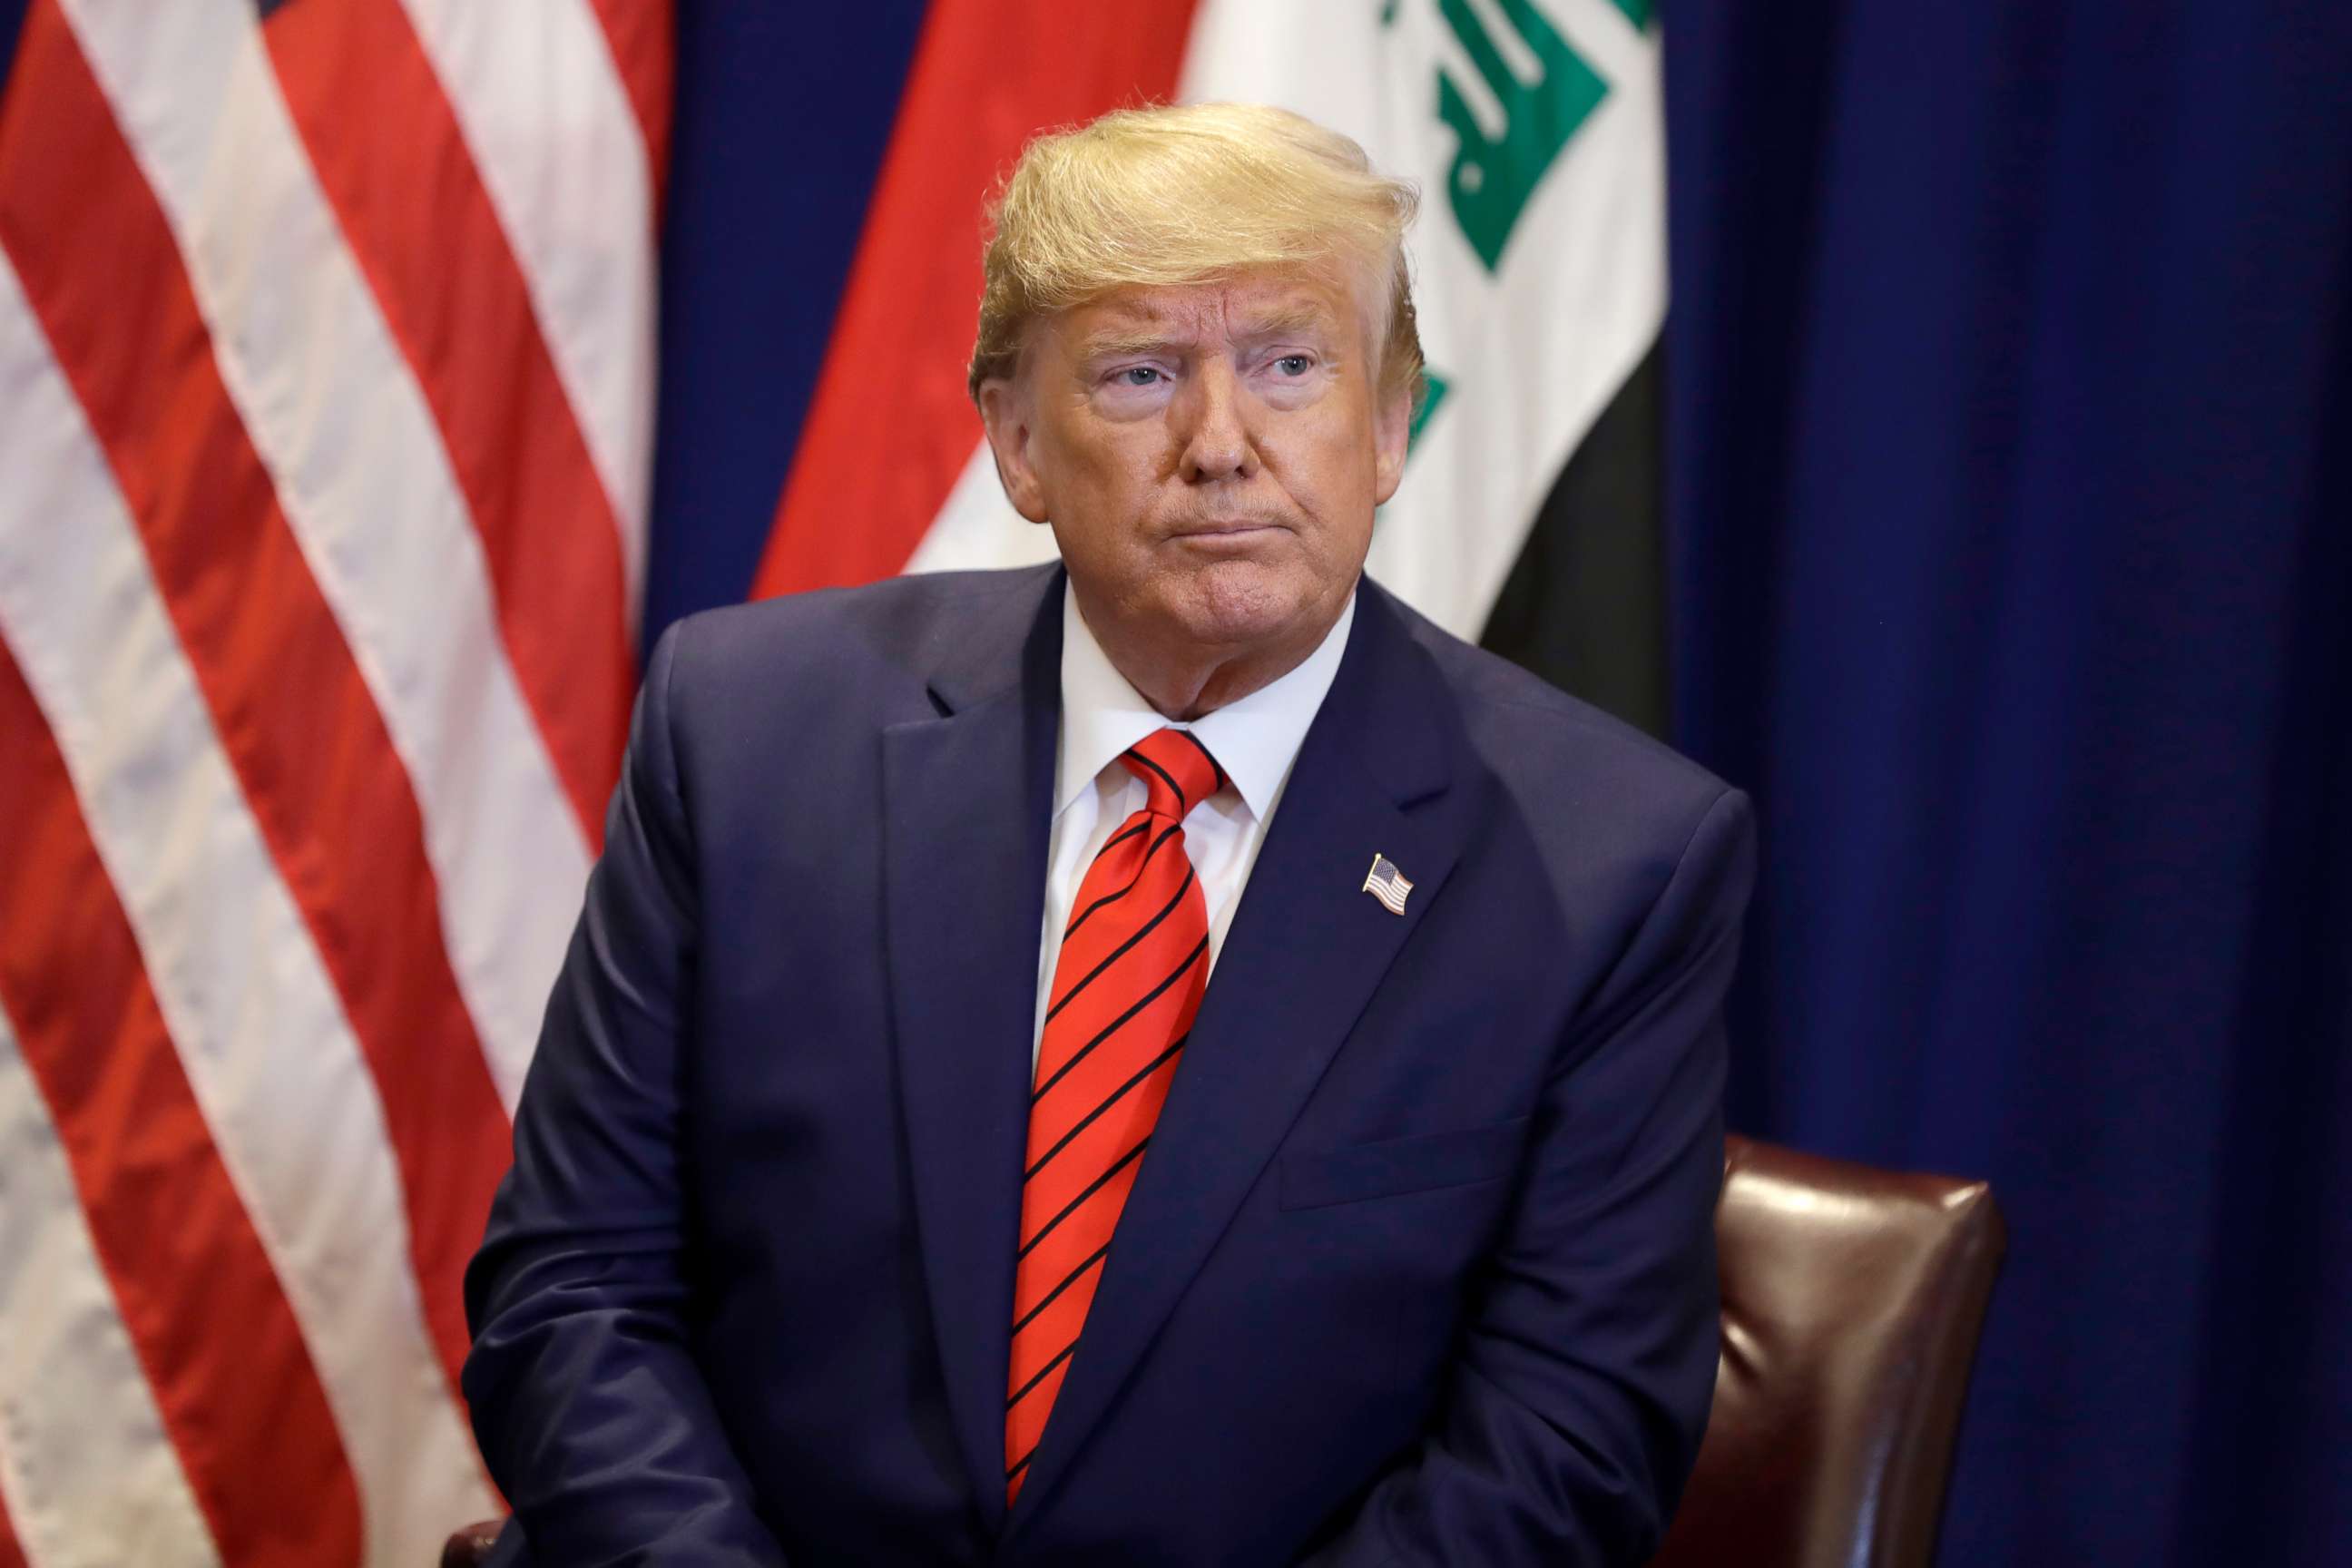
(1177, 769)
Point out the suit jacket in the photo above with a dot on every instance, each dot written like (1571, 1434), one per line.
(1419, 1269)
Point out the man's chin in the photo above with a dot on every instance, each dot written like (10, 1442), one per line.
(1240, 605)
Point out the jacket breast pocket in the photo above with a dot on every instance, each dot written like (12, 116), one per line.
(1394, 1166)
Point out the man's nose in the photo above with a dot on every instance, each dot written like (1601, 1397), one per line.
(1215, 426)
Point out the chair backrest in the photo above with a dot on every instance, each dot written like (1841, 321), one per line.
(1852, 1300)
(470, 1547)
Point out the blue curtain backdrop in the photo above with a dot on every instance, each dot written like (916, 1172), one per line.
(2011, 382)
(2011, 433)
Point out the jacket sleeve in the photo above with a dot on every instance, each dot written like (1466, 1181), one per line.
(1586, 1364)
(587, 1401)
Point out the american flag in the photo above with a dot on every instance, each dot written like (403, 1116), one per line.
(1388, 884)
(326, 346)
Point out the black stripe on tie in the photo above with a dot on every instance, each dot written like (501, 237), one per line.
(1123, 835)
(1146, 929)
(1213, 766)
(1183, 805)
(1068, 1281)
(1115, 1097)
(1092, 1188)
(1022, 1466)
(1072, 928)
(1150, 997)
(1034, 1382)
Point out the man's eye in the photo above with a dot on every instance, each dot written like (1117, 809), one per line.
(1136, 375)
(1294, 364)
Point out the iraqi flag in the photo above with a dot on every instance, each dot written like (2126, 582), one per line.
(1528, 517)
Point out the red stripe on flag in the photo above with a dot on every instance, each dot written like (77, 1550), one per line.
(244, 1410)
(890, 426)
(296, 720)
(11, 1555)
(643, 36)
(412, 207)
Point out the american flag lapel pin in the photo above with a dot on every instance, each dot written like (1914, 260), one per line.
(1388, 884)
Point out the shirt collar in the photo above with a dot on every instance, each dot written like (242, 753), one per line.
(1255, 740)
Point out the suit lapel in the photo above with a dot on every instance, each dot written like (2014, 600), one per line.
(967, 799)
(1307, 949)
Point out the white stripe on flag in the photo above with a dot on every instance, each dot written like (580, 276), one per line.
(267, 1052)
(365, 484)
(978, 527)
(535, 89)
(87, 1472)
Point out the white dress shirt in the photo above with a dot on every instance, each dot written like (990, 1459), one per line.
(1255, 741)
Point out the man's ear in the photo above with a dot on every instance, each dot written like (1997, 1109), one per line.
(1391, 434)
(1004, 411)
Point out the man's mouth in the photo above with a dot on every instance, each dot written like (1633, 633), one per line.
(1225, 528)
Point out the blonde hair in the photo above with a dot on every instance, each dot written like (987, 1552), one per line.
(1177, 196)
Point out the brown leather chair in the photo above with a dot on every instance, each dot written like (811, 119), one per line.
(471, 1546)
(1852, 1298)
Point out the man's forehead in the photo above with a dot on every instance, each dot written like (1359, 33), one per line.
(1236, 307)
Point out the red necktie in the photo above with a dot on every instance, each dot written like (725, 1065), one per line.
(1134, 961)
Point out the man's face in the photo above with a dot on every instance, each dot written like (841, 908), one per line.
(1209, 459)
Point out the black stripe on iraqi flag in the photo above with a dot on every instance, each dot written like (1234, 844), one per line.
(1585, 604)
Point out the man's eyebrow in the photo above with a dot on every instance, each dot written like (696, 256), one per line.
(1135, 340)
(1280, 320)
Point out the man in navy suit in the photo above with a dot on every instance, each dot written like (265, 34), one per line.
(1166, 1059)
